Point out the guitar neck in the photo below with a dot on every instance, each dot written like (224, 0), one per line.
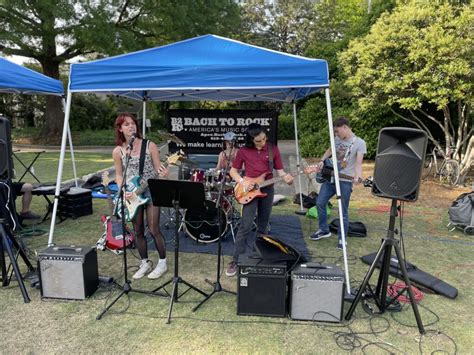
(330, 172)
(275, 180)
(110, 201)
(144, 184)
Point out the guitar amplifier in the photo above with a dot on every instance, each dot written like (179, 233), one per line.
(317, 293)
(261, 287)
(68, 272)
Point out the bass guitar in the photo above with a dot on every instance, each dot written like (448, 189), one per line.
(112, 239)
(244, 196)
(327, 172)
(137, 186)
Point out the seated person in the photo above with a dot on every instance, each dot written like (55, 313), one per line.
(25, 189)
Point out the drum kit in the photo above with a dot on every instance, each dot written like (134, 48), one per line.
(202, 225)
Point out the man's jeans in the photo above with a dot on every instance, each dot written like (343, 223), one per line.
(327, 191)
(262, 207)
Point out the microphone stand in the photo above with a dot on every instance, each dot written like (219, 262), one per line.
(217, 284)
(127, 287)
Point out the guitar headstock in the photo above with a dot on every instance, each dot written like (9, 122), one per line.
(174, 158)
(369, 182)
(105, 178)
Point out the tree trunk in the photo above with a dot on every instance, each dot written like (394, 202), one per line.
(467, 161)
(54, 108)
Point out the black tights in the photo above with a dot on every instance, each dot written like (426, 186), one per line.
(153, 219)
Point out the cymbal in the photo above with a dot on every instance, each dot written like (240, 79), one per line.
(171, 137)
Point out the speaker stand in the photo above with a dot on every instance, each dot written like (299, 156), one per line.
(6, 243)
(380, 295)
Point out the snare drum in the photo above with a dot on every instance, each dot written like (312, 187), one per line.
(202, 224)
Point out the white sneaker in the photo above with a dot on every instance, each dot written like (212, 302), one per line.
(145, 266)
(160, 269)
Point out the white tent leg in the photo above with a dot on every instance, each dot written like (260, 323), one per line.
(338, 189)
(60, 169)
(70, 145)
(301, 211)
(72, 154)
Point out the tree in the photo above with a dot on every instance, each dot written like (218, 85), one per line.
(418, 61)
(280, 25)
(55, 31)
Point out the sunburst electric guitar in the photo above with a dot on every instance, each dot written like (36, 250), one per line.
(244, 196)
(137, 186)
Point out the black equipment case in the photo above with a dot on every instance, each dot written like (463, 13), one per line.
(76, 202)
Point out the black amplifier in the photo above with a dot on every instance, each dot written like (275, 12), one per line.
(68, 272)
(317, 293)
(75, 203)
(261, 287)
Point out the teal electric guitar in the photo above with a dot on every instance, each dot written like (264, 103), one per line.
(137, 186)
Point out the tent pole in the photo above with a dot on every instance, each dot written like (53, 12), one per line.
(144, 115)
(70, 146)
(301, 211)
(60, 168)
(338, 188)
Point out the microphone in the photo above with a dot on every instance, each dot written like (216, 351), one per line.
(130, 143)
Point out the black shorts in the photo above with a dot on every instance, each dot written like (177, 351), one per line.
(16, 188)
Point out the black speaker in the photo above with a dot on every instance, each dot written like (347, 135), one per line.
(261, 287)
(68, 272)
(6, 163)
(399, 163)
(317, 294)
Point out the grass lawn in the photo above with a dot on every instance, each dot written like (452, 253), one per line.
(136, 324)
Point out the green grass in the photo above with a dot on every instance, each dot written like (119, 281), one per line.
(136, 324)
(103, 137)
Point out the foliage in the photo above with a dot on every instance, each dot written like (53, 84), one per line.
(417, 62)
(54, 31)
(279, 25)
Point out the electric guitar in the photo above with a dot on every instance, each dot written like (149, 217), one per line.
(137, 186)
(244, 196)
(327, 172)
(112, 239)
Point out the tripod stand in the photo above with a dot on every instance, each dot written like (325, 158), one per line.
(217, 287)
(127, 287)
(385, 252)
(6, 242)
(177, 194)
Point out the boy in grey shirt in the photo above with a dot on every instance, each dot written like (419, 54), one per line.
(350, 151)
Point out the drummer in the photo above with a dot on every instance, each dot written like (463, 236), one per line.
(229, 151)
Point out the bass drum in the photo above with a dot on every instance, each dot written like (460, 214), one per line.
(202, 226)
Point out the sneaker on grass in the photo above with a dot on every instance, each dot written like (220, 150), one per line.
(144, 267)
(160, 269)
(231, 269)
(320, 235)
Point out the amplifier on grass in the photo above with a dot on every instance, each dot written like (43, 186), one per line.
(68, 272)
(317, 293)
(76, 202)
(261, 287)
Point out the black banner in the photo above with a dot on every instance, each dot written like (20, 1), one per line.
(203, 130)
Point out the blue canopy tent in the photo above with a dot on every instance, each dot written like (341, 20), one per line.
(204, 68)
(16, 79)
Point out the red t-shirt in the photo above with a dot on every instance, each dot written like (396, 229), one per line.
(257, 161)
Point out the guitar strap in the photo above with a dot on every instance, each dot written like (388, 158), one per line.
(142, 157)
(270, 156)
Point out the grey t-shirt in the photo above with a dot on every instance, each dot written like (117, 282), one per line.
(342, 145)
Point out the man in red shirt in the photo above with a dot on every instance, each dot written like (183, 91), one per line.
(255, 157)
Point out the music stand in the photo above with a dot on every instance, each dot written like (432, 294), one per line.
(177, 194)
